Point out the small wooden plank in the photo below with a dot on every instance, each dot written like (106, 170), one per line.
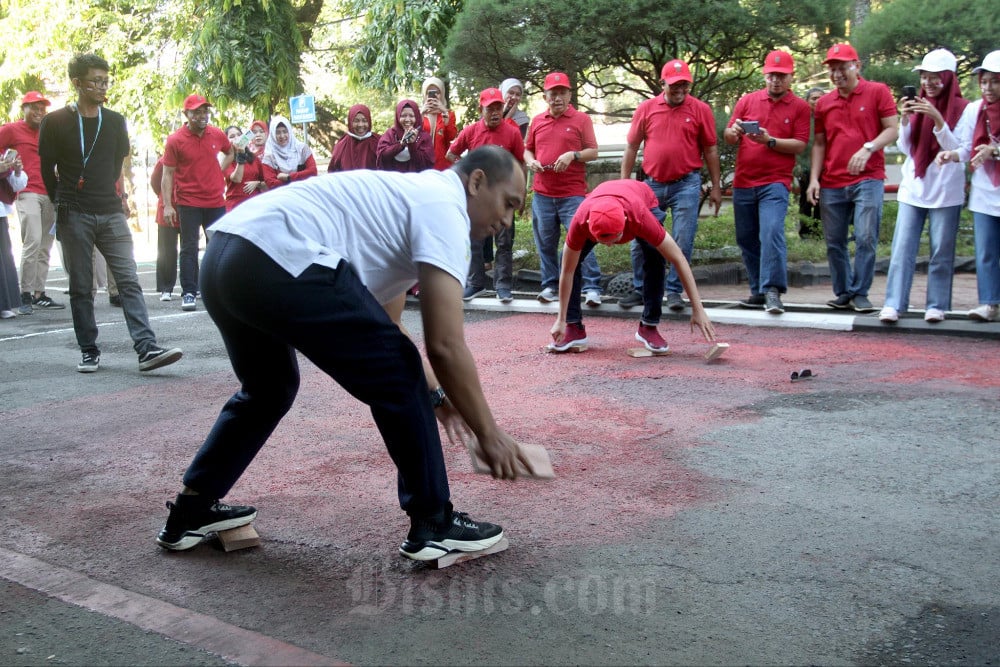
(243, 537)
(716, 351)
(575, 348)
(538, 457)
(456, 557)
(639, 352)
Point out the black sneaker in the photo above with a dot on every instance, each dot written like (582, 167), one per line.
(634, 298)
(675, 302)
(89, 363)
(192, 518)
(861, 304)
(842, 302)
(773, 303)
(115, 300)
(429, 539)
(472, 292)
(45, 302)
(753, 301)
(157, 357)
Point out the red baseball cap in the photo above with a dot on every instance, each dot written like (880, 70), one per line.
(490, 96)
(780, 62)
(33, 96)
(841, 53)
(195, 101)
(556, 80)
(674, 71)
(607, 217)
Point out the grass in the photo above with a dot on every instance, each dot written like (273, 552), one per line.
(715, 241)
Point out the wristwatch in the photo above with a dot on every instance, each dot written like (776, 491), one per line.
(869, 146)
(437, 397)
(772, 142)
(576, 155)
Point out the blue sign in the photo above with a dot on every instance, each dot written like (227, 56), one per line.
(303, 109)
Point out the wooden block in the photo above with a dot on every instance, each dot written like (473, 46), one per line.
(575, 348)
(462, 556)
(716, 351)
(643, 352)
(539, 459)
(243, 537)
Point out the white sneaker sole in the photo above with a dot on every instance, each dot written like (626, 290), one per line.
(192, 539)
(434, 550)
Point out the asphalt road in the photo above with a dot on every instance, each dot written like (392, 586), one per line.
(702, 513)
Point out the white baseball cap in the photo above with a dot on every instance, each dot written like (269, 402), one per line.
(991, 63)
(938, 60)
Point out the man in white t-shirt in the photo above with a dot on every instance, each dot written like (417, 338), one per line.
(322, 266)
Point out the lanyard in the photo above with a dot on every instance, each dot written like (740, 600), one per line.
(86, 156)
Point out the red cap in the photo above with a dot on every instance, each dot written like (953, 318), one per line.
(195, 101)
(607, 217)
(674, 71)
(780, 62)
(33, 96)
(841, 53)
(556, 80)
(490, 96)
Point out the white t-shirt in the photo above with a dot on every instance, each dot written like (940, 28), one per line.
(984, 197)
(941, 186)
(382, 222)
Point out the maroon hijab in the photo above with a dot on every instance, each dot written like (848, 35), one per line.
(988, 132)
(352, 152)
(924, 145)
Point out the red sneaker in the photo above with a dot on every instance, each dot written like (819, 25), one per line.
(575, 336)
(651, 338)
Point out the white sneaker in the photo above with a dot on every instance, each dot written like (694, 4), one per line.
(165, 296)
(548, 295)
(984, 313)
(888, 314)
(934, 315)
(7, 314)
(593, 298)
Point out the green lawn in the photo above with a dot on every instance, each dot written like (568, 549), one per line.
(716, 241)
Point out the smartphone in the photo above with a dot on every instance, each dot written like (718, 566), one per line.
(910, 92)
(432, 93)
(751, 126)
(9, 155)
(244, 140)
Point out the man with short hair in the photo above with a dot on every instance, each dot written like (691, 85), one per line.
(854, 122)
(679, 134)
(321, 266)
(35, 211)
(560, 142)
(193, 186)
(491, 130)
(809, 215)
(81, 148)
(771, 127)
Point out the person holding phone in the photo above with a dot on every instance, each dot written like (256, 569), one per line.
(404, 146)
(927, 192)
(438, 120)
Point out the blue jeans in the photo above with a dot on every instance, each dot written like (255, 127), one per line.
(681, 198)
(861, 205)
(192, 220)
(760, 232)
(652, 264)
(503, 266)
(942, 229)
(79, 234)
(547, 214)
(265, 315)
(987, 257)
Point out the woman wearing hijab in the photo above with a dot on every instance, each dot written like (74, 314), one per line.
(927, 192)
(356, 149)
(438, 120)
(404, 146)
(245, 174)
(513, 90)
(286, 159)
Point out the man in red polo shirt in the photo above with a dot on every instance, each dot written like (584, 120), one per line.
(854, 122)
(679, 133)
(35, 211)
(193, 186)
(618, 212)
(771, 127)
(491, 130)
(559, 142)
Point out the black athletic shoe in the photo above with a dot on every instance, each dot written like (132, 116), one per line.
(157, 357)
(46, 303)
(773, 305)
(675, 302)
(630, 300)
(429, 539)
(753, 301)
(842, 302)
(192, 518)
(115, 300)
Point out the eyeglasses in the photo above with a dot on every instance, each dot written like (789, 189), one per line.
(100, 83)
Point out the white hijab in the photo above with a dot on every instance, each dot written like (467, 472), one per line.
(285, 158)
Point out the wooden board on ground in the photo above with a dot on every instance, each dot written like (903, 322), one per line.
(716, 351)
(541, 464)
(644, 352)
(462, 556)
(575, 348)
(243, 537)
